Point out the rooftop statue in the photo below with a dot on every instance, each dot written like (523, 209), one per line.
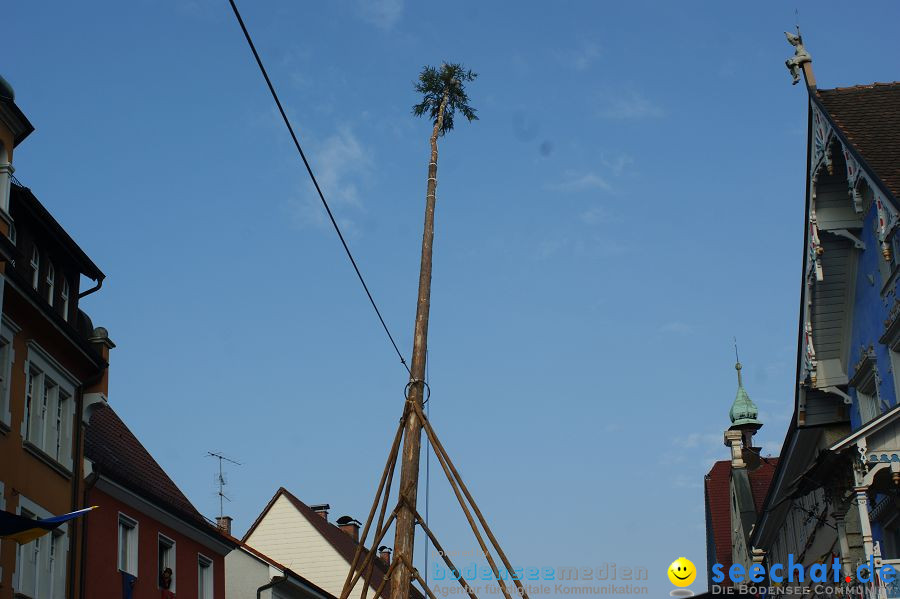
(800, 56)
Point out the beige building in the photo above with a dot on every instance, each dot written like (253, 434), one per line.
(294, 533)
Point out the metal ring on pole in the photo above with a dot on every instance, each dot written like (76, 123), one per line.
(411, 383)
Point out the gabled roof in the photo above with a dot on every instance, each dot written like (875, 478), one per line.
(338, 539)
(25, 198)
(717, 486)
(869, 117)
(718, 509)
(117, 454)
(761, 480)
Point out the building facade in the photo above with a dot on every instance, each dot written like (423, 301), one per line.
(53, 372)
(249, 571)
(143, 524)
(835, 493)
(735, 489)
(294, 533)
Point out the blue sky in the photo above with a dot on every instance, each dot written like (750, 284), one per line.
(631, 199)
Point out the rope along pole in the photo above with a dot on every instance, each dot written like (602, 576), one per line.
(468, 514)
(443, 554)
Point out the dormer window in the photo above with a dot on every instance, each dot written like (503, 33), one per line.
(35, 267)
(64, 294)
(51, 275)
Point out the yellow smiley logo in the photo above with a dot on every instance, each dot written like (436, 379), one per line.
(682, 572)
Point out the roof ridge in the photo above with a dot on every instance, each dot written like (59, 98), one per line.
(115, 451)
(861, 86)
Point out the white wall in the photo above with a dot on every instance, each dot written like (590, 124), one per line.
(243, 575)
(286, 536)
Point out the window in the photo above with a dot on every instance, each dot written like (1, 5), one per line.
(12, 233)
(204, 577)
(866, 381)
(35, 267)
(51, 277)
(6, 359)
(891, 543)
(166, 561)
(49, 409)
(868, 407)
(29, 563)
(128, 545)
(895, 250)
(64, 294)
(41, 564)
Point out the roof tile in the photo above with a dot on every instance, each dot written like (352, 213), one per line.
(869, 116)
(117, 454)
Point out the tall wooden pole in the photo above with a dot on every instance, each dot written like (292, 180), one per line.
(405, 535)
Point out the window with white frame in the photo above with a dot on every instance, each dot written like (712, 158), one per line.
(7, 357)
(64, 295)
(41, 564)
(51, 282)
(204, 577)
(128, 545)
(35, 267)
(166, 563)
(49, 410)
(865, 382)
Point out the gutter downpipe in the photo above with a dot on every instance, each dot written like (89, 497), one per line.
(93, 289)
(78, 478)
(275, 582)
(89, 485)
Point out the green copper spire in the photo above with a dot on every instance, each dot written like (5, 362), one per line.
(743, 411)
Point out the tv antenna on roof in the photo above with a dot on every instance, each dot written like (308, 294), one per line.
(220, 479)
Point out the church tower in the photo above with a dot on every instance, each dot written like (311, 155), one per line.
(744, 424)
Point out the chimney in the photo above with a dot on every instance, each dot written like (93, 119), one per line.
(223, 523)
(350, 526)
(321, 509)
(385, 553)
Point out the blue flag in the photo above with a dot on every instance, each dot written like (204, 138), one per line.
(24, 530)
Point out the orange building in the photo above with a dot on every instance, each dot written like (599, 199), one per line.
(53, 372)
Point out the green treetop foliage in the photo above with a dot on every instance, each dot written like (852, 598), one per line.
(438, 84)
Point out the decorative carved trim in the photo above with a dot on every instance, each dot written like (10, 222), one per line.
(853, 177)
(887, 220)
(822, 134)
(857, 242)
(864, 369)
(891, 335)
(810, 363)
(815, 248)
(883, 456)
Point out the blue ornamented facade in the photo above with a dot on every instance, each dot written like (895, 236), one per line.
(835, 493)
